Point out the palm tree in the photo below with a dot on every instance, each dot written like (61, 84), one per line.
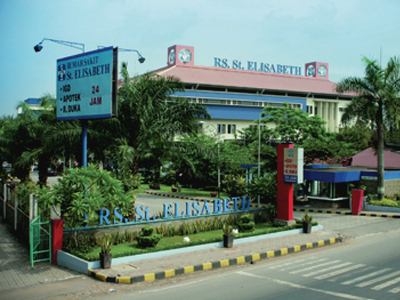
(377, 92)
(148, 115)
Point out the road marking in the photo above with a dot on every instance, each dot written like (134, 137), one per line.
(314, 267)
(286, 264)
(294, 285)
(394, 291)
(386, 284)
(328, 275)
(327, 269)
(304, 264)
(366, 276)
(364, 284)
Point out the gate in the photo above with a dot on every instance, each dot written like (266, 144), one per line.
(40, 241)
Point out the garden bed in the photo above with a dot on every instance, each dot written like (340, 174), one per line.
(386, 205)
(175, 242)
(81, 265)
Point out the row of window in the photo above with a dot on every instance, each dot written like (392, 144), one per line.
(241, 103)
(310, 109)
(226, 128)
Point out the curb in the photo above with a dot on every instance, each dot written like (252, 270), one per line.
(348, 213)
(165, 194)
(213, 265)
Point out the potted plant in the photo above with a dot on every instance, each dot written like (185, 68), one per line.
(174, 189)
(213, 194)
(307, 223)
(228, 236)
(105, 252)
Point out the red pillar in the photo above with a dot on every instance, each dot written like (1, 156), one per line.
(356, 201)
(57, 231)
(284, 196)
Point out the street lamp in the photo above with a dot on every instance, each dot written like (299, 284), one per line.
(141, 58)
(79, 46)
(261, 115)
(219, 170)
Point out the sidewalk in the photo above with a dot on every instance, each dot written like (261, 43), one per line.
(15, 266)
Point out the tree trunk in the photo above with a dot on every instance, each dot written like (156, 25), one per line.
(381, 162)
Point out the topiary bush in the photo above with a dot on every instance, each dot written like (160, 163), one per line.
(147, 238)
(246, 223)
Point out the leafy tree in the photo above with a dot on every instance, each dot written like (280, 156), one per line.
(234, 185)
(379, 91)
(292, 125)
(197, 166)
(149, 118)
(82, 191)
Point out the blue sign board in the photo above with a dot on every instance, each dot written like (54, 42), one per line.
(86, 85)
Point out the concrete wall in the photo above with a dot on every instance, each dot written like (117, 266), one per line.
(392, 186)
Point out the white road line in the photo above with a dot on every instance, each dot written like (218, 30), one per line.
(328, 275)
(286, 264)
(314, 267)
(305, 264)
(366, 276)
(327, 269)
(297, 286)
(395, 290)
(386, 284)
(364, 284)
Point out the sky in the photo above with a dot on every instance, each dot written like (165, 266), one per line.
(287, 32)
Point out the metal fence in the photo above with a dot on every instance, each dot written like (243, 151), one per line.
(14, 216)
(40, 241)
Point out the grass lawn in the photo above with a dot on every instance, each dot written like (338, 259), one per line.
(167, 243)
(185, 191)
(385, 202)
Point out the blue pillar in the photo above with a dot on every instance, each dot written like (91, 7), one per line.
(84, 143)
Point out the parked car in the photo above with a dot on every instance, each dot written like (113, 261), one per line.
(51, 172)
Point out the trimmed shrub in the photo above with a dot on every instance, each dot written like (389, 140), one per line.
(148, 241)
(147, 238)
(246, 223)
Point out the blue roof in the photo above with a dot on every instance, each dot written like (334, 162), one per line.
(32, 101)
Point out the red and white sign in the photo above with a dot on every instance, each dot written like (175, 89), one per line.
(293, 161)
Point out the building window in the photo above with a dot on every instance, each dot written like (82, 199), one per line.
(231, 128)
(309, 109)
(221, 128)
(316, 110)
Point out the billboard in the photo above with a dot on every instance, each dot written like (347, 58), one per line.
(293, 161)
(87, 85)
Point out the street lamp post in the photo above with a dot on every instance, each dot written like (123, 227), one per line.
(141, 58)
(79, 46)
(219, 169)
(259, 150)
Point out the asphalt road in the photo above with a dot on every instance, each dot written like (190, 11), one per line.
(367, 268)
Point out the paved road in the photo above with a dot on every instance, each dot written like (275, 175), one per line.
(364, 269)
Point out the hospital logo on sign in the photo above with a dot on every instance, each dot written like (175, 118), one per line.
(61, 72)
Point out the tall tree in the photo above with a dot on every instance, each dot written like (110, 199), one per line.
(378, 90)
(149, 117)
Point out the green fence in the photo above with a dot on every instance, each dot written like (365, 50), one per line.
(40, 241)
